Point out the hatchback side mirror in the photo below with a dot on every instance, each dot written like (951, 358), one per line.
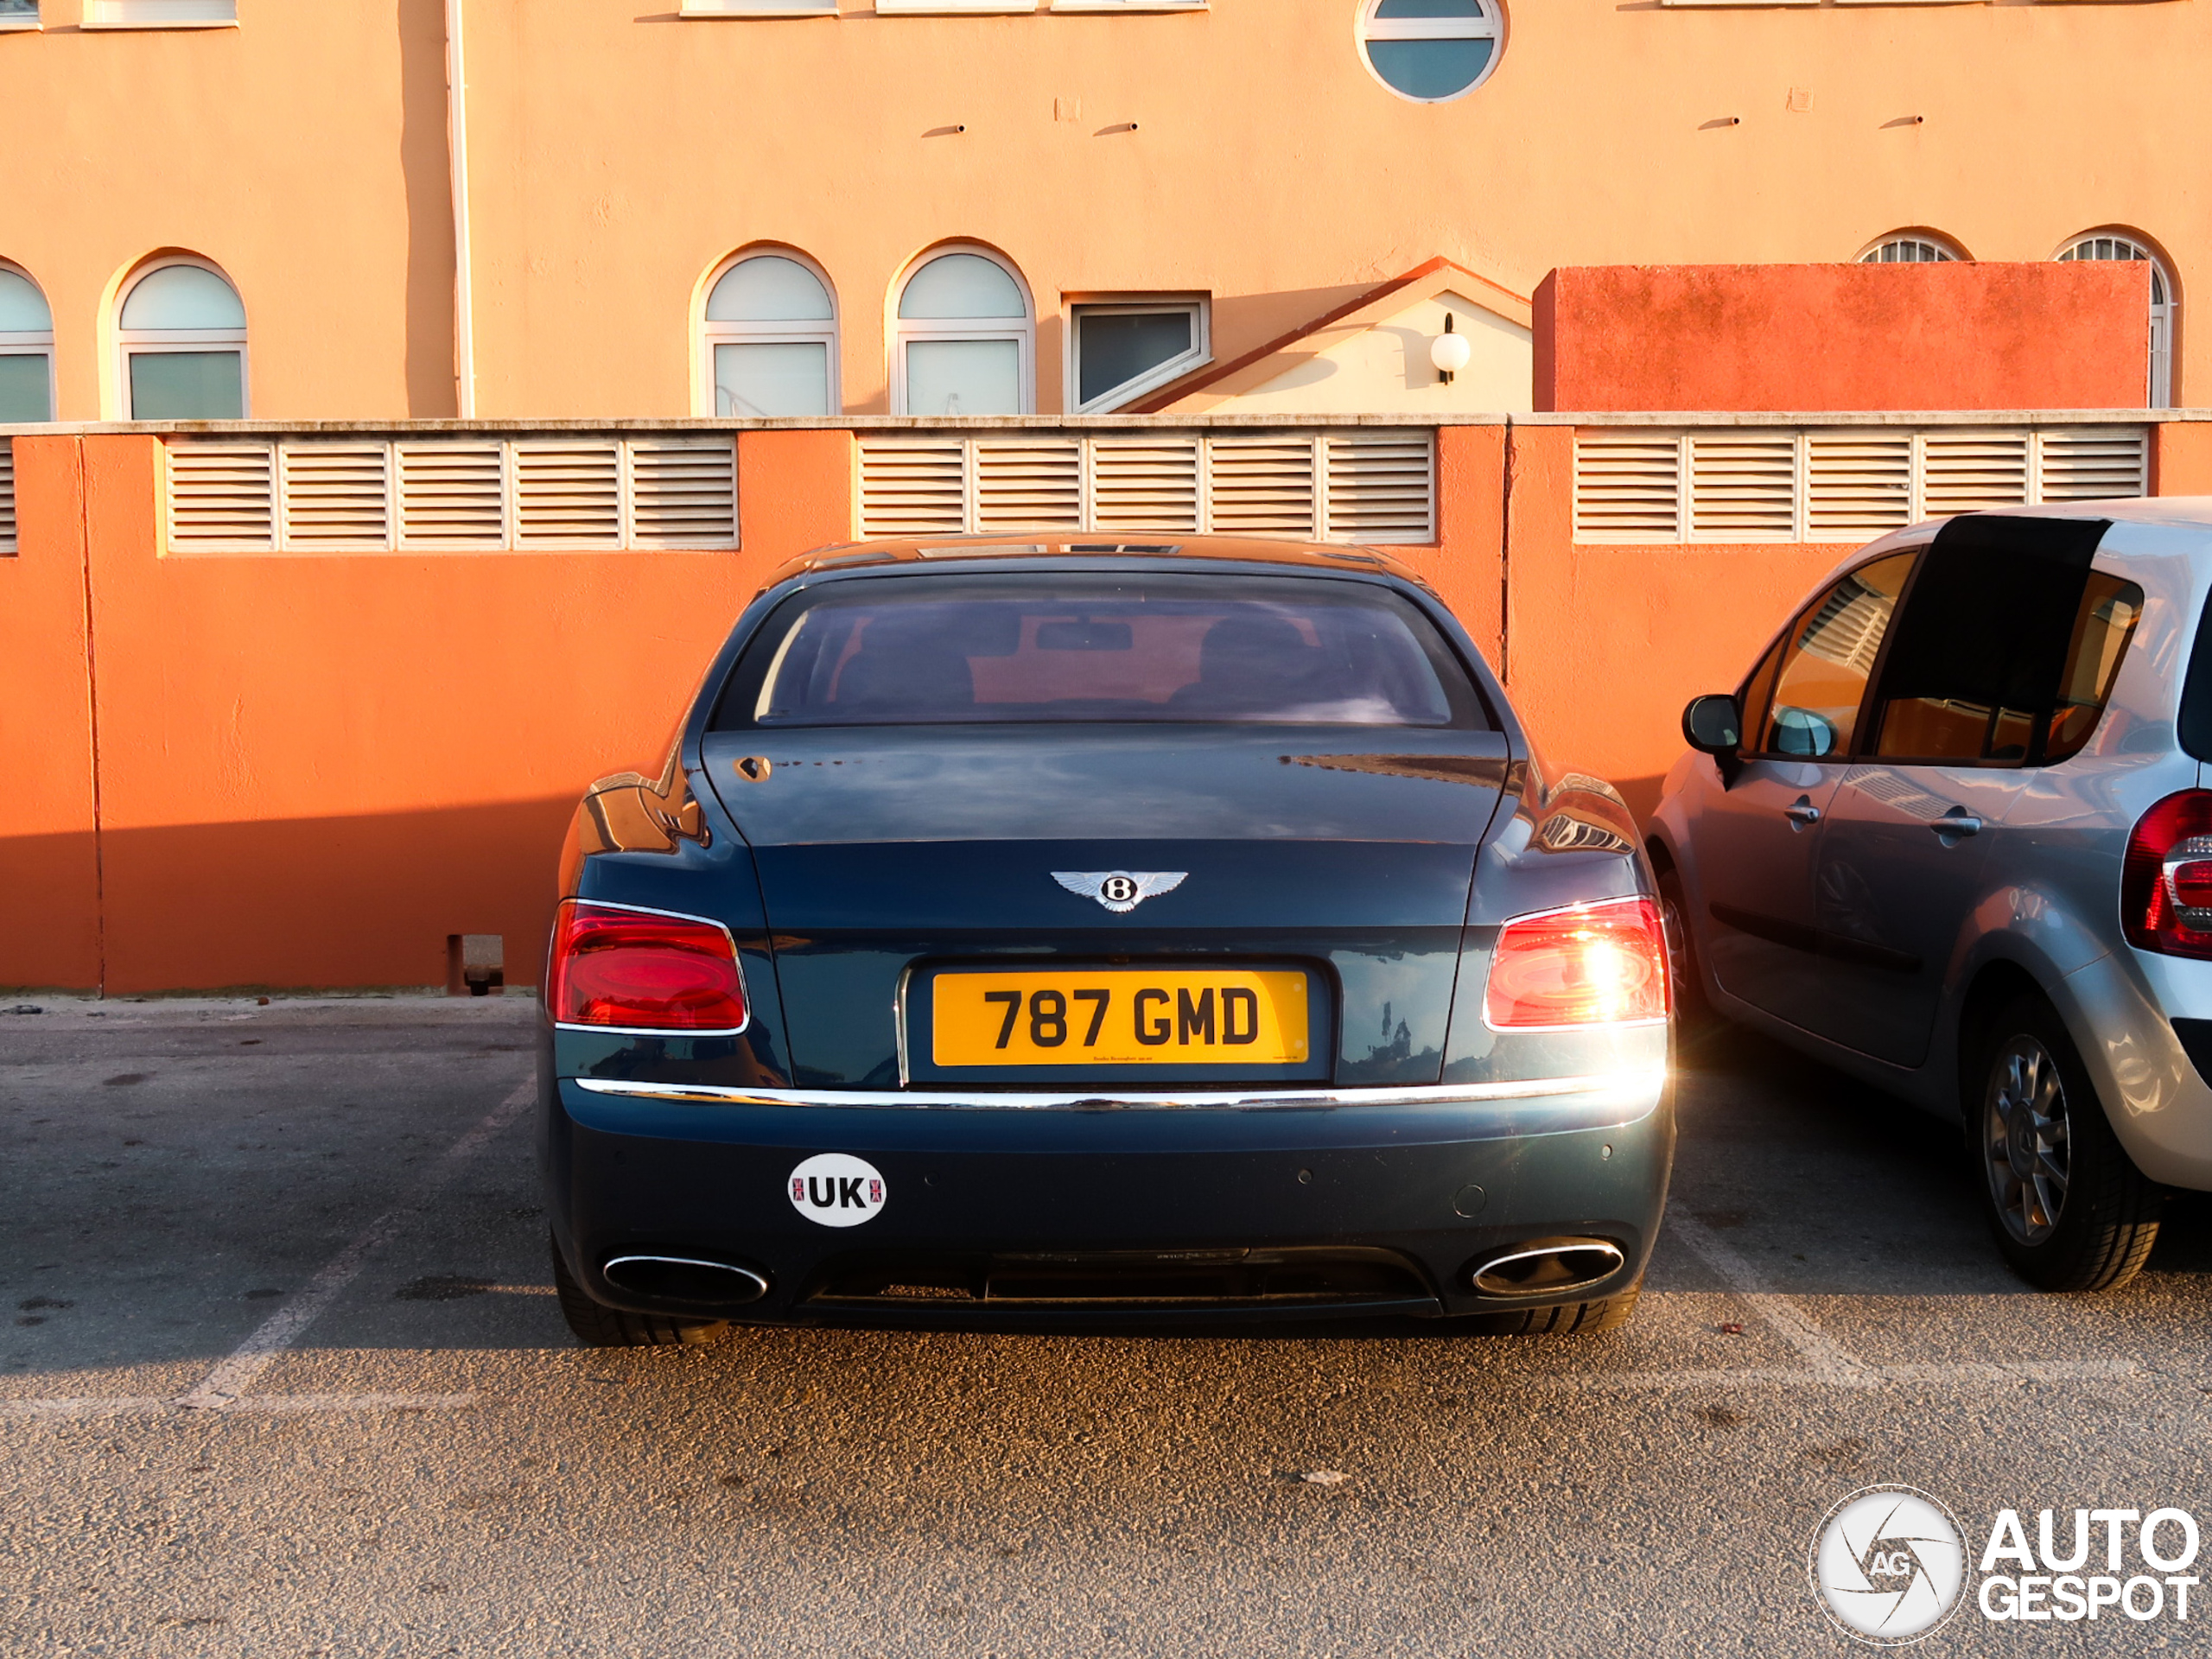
(1713, 724)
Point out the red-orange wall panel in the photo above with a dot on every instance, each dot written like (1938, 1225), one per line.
(1957, 335)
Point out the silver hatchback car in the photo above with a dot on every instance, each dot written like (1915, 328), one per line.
(1953, 834)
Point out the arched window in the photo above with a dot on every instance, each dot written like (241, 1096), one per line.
(26, 349)
(2113, 245)
(181, 336)
(967, 343)
(1430, 50)
(771, 339)
(1911, 248)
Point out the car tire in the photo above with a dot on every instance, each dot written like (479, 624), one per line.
(2066, 1204)
(597, 1325)
(1568, 1320)
(1694, 1016)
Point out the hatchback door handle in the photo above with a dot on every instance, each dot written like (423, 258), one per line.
(1956, 822)
(1801, 811)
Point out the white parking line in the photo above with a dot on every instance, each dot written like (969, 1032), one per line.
(1965, 1375)
(223, 1389)
(66, 1409)
(1833, 1365)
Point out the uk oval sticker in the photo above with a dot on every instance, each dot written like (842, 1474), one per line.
(837, 1190)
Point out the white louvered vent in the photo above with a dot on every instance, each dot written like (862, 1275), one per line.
(7, 497)
(1858, 485)
(1381, 487)
(453, 495)
(1261, 486)
(221, 497)
(336, 496)
(1849, 484)
(1029, 486)
(913, 488)
(1628, 488)
(568, 494)
(1744, 486)
(683, 493)
(2091, 463)
(1374, 485)
(363, 495)
(1147, 483)
(1972, 472)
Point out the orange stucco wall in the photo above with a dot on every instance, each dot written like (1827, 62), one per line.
(1835, 336)
(619, 152)
(49, 854)
(308, 770)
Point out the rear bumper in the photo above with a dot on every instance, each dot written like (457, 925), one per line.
(1418, 1186)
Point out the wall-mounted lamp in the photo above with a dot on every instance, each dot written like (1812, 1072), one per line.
(1449, 351)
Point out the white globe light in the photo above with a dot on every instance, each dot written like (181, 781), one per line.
(1449, 352)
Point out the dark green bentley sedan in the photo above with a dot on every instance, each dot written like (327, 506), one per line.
(1050, 933)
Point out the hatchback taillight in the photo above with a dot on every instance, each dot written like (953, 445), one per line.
(639, 970)
(2165, 885)
(1597, 964)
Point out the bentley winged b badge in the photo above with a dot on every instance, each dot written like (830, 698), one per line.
(1120, 890)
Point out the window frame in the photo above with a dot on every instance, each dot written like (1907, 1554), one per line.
(905, 330)
(2164, 315)
(33, 342)
(131, 342)
(1367, 27)
(1199, 306)
(791, 333)
(125, 14)
(1948, 252)
(32, 19)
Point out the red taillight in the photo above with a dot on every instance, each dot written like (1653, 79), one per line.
(635, 970)
(1600, 964)
(2165, 887)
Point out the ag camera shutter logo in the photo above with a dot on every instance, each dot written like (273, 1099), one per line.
(1888, 1563)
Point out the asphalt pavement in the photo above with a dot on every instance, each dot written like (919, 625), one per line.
(281, 1373)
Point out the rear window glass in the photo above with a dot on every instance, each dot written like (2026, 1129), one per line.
(1071, 646)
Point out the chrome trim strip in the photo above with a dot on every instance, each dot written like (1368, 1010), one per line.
(1626, 1084)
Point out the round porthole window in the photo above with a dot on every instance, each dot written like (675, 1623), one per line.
(1430, 50)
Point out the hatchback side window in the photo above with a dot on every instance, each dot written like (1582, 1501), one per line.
(1826, 661)
(2101, 630)
(2008, 648)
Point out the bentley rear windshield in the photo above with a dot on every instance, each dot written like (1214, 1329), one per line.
(1066, 648)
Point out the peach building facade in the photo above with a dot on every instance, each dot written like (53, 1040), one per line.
(519, 209)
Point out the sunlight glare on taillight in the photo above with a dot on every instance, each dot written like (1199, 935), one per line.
(1597, 964)
(633, 969)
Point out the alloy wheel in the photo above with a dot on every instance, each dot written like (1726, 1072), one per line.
(2027, 1143)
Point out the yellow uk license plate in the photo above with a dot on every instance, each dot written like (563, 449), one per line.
(1120, 1016)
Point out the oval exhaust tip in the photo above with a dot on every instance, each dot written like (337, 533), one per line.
(1548, 1267)
(685, 1279)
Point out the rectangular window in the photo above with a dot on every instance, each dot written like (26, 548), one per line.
(756, 379)
(1061, 648)
(26, 386)
(1123, 350)
(18, 14)
(759, 8)
(160, 14)
(1128, 5)
(925, 7)
(187, 385)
